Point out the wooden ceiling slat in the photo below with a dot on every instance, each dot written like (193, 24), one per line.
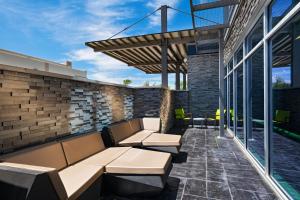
(176, 56)
(144, 70)
(127, 56)
(114, 55)
(137, 54)
(131, 56)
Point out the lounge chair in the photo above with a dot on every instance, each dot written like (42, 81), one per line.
(217, 118)
(74, 168)
(182, 118)
(144, 133)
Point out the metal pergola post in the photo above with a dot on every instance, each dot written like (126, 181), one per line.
(184, 81)
(177, 78)
(221, 82)
(164, 47)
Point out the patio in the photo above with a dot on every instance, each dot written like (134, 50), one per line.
(211, 168)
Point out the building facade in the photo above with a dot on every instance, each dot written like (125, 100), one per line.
(262, 87)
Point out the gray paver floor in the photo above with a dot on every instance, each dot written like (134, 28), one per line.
(212, 168)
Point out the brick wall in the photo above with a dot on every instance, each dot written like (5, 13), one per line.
(155, 102)
(203, 84)
(246, 12)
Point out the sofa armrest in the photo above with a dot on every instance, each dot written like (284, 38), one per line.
(38, 182)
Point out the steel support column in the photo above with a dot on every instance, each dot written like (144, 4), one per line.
(221, 82)
(184, 87)
(177, 78)
(164, 47)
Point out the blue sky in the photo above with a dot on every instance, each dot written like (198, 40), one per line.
(57, 30)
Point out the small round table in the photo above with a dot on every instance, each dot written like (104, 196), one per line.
(202, 122)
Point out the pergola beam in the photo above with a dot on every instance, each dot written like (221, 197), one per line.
(155, 63)
(213, 27)
(141, 44)
(215, 4)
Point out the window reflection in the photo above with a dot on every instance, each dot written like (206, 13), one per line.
(240, 117)
(230, 65)
(239, 54)
(286, 107)
(256, 104)
(278, 9)
(225, 101)
(256, 35)
(230, 111)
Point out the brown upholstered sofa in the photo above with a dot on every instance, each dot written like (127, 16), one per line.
(144, 133)
(74, 169)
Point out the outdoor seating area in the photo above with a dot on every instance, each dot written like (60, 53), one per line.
(74, 169)
(189, 100)
(81, 167)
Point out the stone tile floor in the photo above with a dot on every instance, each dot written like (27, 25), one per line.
(211, 168)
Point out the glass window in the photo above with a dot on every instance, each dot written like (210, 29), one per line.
(230, 65)
(240, 117)
(256, 35)
(231, 116)
(225, 100)
(278, 9)
(286, 107)
(256, 104)
(239, 54)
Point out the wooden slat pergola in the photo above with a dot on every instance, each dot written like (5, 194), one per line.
(144, 51)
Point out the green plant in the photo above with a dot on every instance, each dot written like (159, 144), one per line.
(127, 82)
(280, 83)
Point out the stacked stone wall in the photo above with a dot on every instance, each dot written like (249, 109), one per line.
(203, 84)
(36, 108)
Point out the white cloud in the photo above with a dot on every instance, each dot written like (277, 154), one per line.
(155, 20)
(136, 80)
(73, 22)
(101, 61)
(108, 69)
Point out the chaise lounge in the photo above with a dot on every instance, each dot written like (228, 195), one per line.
(74, 169)
(144, 133)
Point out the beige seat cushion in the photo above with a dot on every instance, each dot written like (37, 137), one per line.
(138, 161)
(81, 147)
(121, 131)
(135, 125)
(136, 139)
(149, 123)
(78, 178)
(158, 139)
(104, 157)
(49, 155)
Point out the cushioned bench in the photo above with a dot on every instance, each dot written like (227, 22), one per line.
(73, 169)
(37, 165)
(128, 170)
(144, 133)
